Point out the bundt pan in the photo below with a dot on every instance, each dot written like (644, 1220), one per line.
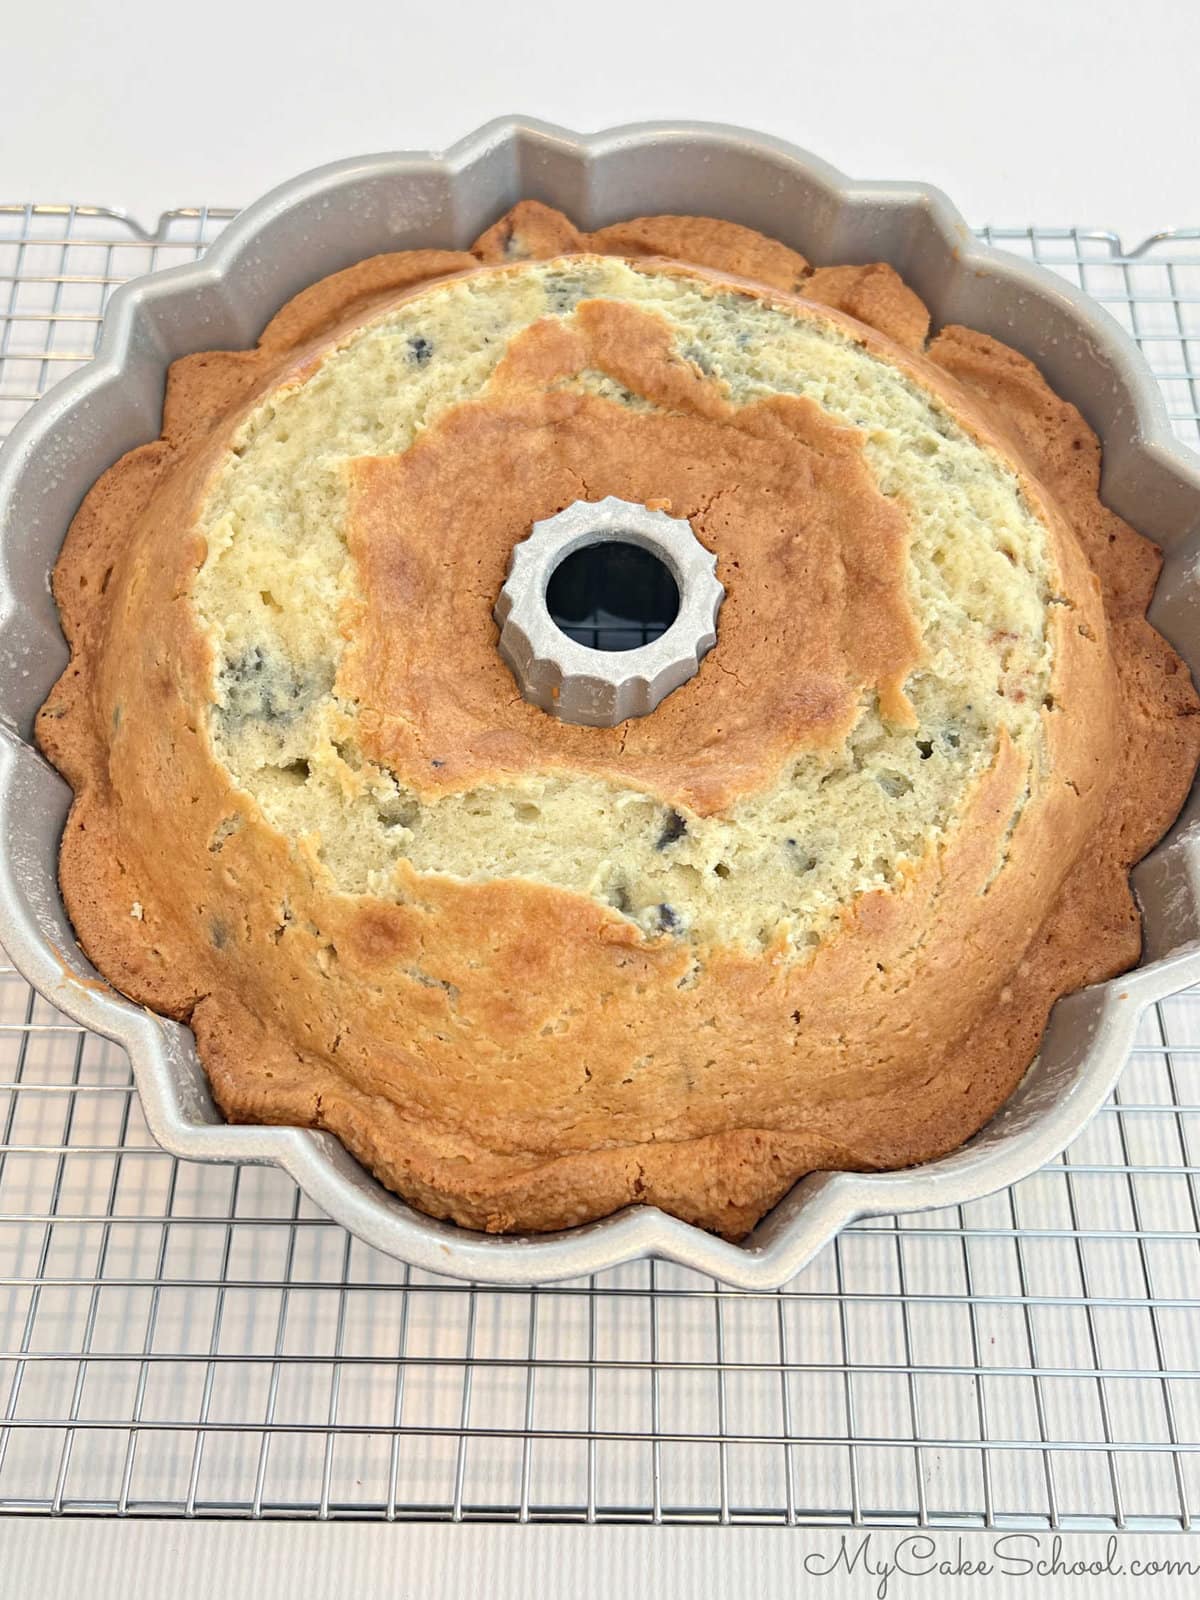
(327, 219)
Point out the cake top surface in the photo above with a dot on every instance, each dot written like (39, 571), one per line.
(888, 583)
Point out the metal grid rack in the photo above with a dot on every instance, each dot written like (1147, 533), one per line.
(178, 1339)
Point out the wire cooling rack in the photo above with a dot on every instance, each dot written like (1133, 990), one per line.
(178, 1339)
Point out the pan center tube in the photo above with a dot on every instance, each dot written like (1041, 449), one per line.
(608, 607)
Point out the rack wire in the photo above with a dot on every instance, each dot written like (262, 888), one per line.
(179, 1339)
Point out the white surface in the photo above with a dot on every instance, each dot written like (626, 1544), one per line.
(1026, 111)
(194, 1561)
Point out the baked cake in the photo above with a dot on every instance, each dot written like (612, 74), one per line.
(811, 912)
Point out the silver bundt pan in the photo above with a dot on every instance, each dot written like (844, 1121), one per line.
(338, 214)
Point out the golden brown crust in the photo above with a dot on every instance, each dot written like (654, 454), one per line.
(725, 248)
(814, 555)
(513, 1055)
(876, 295)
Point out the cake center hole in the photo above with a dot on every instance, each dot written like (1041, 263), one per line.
(612, 596)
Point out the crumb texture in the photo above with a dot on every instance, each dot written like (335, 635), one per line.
(811, 912)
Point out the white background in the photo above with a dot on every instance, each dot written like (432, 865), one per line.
(105, 1559)
(1045, 111)
(1041, 111)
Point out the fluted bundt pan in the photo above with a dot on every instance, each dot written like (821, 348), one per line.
(327, 219)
